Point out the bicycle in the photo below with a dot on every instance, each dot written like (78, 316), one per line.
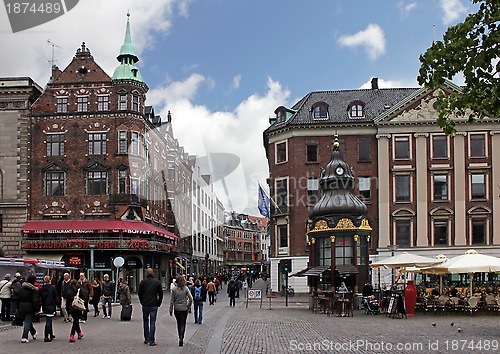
(289, 290)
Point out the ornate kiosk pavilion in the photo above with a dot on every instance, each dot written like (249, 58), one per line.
(337, 231)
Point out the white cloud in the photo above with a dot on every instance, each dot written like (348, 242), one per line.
(452, 10)
(372, 39)
(236, 82)
(390, 83)
(96, 22)
(238, 132)
(405, 8)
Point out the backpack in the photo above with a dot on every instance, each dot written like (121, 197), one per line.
(197, 294)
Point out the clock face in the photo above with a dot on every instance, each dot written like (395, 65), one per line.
(339, 171)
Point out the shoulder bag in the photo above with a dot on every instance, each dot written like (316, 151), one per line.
(78, 302)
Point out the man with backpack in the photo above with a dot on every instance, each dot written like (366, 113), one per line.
(199, 294)
(16, 287)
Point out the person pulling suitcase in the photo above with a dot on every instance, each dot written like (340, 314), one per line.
(125, 301)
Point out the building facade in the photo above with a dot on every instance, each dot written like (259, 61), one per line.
(425, 192)
(242, 252)
(98, 171)
(17, 94)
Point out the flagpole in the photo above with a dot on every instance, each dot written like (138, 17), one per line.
(270, 198)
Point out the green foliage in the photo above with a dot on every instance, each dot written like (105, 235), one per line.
(470, 48)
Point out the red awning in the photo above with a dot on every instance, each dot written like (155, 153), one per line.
(95, 226)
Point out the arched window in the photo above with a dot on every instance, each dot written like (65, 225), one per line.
(356, 109)
(320, 110)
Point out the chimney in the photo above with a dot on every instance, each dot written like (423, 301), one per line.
(375, 83)
(169, 117)
(55, 73)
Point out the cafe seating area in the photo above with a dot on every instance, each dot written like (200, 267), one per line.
(444, 304)
(330, 303)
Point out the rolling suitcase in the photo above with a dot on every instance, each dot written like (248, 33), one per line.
(126, 313)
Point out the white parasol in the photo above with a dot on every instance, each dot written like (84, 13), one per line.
(471, 262)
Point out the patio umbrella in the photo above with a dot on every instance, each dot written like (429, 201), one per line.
(405, 260)
(432, 270)
(471, 262)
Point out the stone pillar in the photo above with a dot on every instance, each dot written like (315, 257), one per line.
(460, 183)
(422, 189)
(495, 178)
(384, 193)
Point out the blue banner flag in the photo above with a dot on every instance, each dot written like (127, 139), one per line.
(263, 203)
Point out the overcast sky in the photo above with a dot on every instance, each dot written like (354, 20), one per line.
(223, 66)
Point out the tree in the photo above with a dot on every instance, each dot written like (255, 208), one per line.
(472, 48)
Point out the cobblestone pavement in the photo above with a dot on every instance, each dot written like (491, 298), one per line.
(280, 330)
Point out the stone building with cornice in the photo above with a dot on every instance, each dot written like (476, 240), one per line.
(426, 192)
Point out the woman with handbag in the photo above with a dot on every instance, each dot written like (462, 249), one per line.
(180, 304)
(73, 293)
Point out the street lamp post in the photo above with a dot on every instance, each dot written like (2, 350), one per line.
(91, 262)
(392, 248)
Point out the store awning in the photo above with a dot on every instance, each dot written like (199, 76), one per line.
(57, 257)
(300, 273)
(345, 269)
(95, 226)
(316, 271)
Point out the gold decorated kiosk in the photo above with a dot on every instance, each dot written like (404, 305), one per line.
(338, 233)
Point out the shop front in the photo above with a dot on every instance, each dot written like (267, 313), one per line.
(91, 247)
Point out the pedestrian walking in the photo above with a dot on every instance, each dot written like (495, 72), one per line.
(75, 313)
(16, 287)
(211, 289)
(232, 288)
(180, 304)
(65, 284)
(49, 297)
(199, 294)
(96, 285)
(28, 306)
(86, 293)
(108, 289)
(5, 296)
(150, 296)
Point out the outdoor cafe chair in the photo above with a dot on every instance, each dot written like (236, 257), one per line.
(457, 305)
(491, 303)
(472, 305)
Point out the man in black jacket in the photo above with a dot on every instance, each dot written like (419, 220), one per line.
(150, 297)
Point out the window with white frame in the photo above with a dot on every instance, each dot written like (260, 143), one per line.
(134, 185)
(122, 102)
(282, 193)
(402, 147)
(97, 143)
(134, 143)
(97, 183)
(403, 187)
(439, 147)
(403, 232)
(122, 181)
(478, 231)
(54, 183)
(55, 144)
(478, 185)
(62, 104)
(135, 103)
(312, 191)
(441, 232)
(281, 152)
(477, 145)
(103, 103)
(440, 187)
(122, 141)
(365, 189)
(82, 104)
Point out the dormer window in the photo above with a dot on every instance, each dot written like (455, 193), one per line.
(281, 116)
(356, 110)
(320, 111)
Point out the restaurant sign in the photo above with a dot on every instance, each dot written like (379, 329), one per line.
(83, 244)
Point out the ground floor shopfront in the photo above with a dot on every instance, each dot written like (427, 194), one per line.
(92, 246)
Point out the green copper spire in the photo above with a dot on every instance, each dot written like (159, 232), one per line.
(127, 70)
